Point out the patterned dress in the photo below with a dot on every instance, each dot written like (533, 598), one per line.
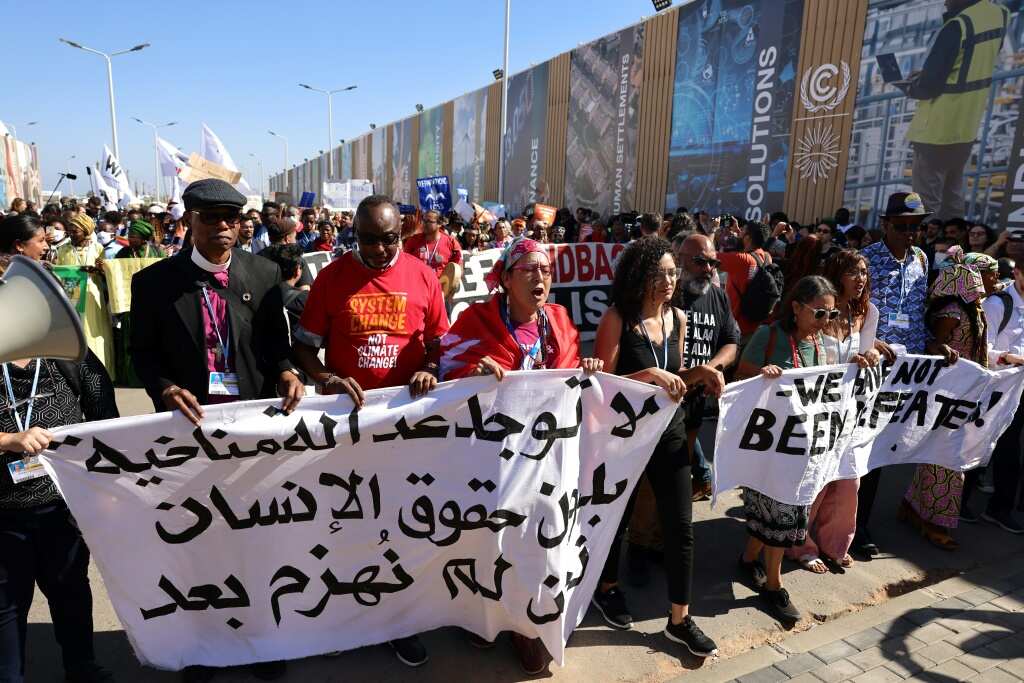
(935, 492)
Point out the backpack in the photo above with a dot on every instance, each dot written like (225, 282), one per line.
(1007, 309)
(763, 293)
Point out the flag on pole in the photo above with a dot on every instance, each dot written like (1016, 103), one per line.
(172, 159)
(102, 189)
(212, 149)
(113, 173)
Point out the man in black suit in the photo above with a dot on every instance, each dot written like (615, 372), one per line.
(208, 324)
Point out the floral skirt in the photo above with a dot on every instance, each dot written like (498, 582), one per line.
(935, 494)
(779, 525)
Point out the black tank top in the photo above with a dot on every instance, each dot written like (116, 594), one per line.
(636, 354)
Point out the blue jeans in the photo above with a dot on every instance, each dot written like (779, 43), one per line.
(701, 469)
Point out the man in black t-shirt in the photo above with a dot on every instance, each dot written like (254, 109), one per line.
(712, 338)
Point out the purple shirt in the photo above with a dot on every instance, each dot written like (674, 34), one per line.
(220, 311)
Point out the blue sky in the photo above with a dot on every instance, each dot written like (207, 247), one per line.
(236, 66)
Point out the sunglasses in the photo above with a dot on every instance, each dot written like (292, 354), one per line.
(388, 239)
(704, 261)
(218, 216)
(820, 313)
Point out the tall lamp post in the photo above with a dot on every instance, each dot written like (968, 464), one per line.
(70, 181)
(156, 151)
(330, 117)
(259, 165)
(15, 130)
(287, 185)
(110, 82)
(504, 108)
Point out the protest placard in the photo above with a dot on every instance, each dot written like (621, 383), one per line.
(119, 273)
(316, 261)
(435, 193)
(74, 280)
(346, 194)
(581, 280)
(263, 536)
(200, 168)
(789, 437)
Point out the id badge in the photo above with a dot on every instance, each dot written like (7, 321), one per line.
(223, 384)
(899, 320)
(26, 470)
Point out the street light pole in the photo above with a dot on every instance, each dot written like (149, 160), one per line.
(110, 83)
(72, 182)
(259, 165)
(156, 152)
(504, 108)
(287, 184)
(330, 118)
(15, 130)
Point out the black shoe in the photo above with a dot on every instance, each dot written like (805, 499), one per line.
(89, 673)
(689, 634)
(1006, 520)
(863, 545)
(781, 607)
(638, 567)
(197, 674)
(968, 515)
(410, 651)
(612, 606)
(268, 671)
(753, 573)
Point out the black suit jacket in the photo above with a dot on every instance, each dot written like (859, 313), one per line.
(167, 345)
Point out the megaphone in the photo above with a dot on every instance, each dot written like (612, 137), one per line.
(42, 323)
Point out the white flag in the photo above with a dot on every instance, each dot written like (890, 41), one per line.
(212, 149)
(113, 173)
(102, 190)
(178, 208)
(172, 159)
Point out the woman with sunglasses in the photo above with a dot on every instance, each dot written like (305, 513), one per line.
(639, 338)
(516, 329)
(794, 340)
(849, 338)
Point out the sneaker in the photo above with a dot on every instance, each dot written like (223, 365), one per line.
(689, 634)
(90, 672)
(781, 607)
(1006, 520)
(197, 674)
(410, 651)
(638, 567)
(968, 515)
(754, 573)
(269, 671)
(612, 606)
(532, 655)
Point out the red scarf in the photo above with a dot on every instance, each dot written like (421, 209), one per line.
(480, 331)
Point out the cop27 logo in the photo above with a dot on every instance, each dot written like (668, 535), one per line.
(818, 89)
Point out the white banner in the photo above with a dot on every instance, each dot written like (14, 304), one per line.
(581, 280)
(345, 194)
(260, 536)
(789, 437)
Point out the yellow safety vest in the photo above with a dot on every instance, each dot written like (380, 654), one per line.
(953, 116)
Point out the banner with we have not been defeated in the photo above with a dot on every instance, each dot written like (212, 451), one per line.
(261, 536)
(790, 436)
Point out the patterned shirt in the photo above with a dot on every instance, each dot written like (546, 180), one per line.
(897, 289)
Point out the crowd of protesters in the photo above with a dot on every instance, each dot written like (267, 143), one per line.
(696, 301)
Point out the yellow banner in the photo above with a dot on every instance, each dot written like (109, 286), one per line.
(119, 272)
(200, 168)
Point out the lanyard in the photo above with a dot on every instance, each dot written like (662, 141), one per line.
(664, 342)
(796, 355)
(430, 254)
(216, 328)
(31, 397)
(531, 353)
(849, 335)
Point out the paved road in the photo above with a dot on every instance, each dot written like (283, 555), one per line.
(728, 611)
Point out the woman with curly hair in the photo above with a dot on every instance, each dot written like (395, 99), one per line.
(792, 341)
(850, 338)
(639, 338)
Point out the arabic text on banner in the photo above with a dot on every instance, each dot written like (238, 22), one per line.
(261, 536)
(791, 436)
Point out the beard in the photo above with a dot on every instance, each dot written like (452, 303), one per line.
(696, 285)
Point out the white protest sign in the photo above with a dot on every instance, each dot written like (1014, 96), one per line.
(316, 261)
(789, 437)
(261, 536)
(345, 194)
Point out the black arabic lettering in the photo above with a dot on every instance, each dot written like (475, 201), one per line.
(119, 462)
(424, 429)
(277, 512)
(599, 497)
(199, 598)
(559, 601)
(569, 514)
(302, 434)
(506, 425)
(570, 581)
(465, 571)
(351, 487)
(452, 517)
(364, 587)
(298, 584)
(621, 405)
(203, 520)
(545, 429)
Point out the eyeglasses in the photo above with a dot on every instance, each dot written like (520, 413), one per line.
(668, 274)
(388, 239)
(218, 216)
(820, 313)
(705, 261)
(533, 268)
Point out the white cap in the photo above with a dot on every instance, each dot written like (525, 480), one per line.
(156, 208)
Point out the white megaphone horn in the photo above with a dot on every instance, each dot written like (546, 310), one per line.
(41, 321)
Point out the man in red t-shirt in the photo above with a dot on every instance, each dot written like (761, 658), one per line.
(433, 246)
(380, 316)
(739, 266)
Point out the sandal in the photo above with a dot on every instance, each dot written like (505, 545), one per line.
(754, 573)
(833, 566)
(847, 561)
(813, 564)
